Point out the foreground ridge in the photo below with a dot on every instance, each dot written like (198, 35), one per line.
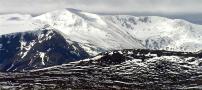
(119, 69)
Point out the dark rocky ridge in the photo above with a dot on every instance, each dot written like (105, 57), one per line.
(120, 69)
(37, 49)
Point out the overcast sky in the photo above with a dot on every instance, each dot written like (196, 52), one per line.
(186, 9)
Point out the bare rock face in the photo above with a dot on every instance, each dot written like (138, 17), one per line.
(120, 69)
(37, 49)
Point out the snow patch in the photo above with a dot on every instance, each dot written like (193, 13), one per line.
(42, 56)
(1, 45)
(25, 48)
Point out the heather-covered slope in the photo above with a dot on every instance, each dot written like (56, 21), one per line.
(122, 69)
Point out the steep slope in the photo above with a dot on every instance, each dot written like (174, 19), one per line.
(37, 49)
(120, 69)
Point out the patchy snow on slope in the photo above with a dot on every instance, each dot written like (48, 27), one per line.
(25, 47)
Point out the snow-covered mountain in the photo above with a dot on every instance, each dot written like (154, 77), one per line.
(89, 30)
(61, 49)
(94, 33)
(161, 33)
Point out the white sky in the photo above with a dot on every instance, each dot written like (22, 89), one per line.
(155, 7)
(118, 6)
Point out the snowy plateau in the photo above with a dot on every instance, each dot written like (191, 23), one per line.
(73, 49)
